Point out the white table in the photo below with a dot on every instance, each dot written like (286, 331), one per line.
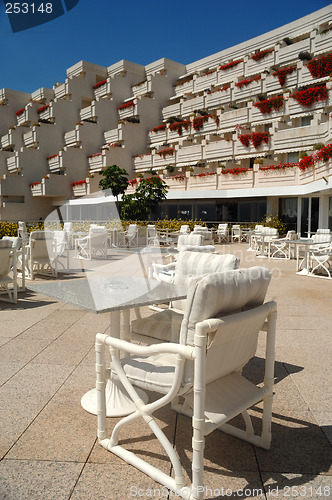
(115, 294)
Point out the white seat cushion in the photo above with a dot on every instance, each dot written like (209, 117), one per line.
(154, 373)
(162, 325)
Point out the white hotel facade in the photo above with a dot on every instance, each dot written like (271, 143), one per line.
(221, 131)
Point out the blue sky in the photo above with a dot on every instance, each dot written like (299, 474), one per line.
(105, 31)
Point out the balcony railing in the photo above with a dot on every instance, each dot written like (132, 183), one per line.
(219, 150)
(206, 81)
(96, 162)
(323, 42)
(72, 138)
(190, 105)
(103, 90)
(299, 137)
(30, 139)
(51, 187)
(218, 98)
(13, 164)
(7, 141)
(291, 52)
(171, 110)
(114, 135)
(128, 112)
(190, 154)
(143, 162)
(229, 119)
(89, 113)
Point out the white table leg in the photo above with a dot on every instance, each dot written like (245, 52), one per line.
(118, 402)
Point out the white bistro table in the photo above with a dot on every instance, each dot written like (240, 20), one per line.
(116, 295)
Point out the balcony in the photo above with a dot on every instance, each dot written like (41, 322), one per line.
(143, 162)
(171, 110)
(46, 113)
(272, 83)
(13, 165)
(80, 188)
(291, 52)
(163, 161)
(142, 88)
(279, 177)
(211, 126)
(103, 89)
(190, 154)
(190, 105)
(228, 75)
(129, 111)
(89, 113)
(184, 88)
(7, 141)
(176, 183)
(248, 92)
(229, 119)
(30, 139)
(43, 95)
(218, 98)
(244, 180)
(206, 81)
(96, 162)
(51, 187)
(158, 136)
(202, 181)
(55, 163)
(61, 91)
(72, 138)
(323, 42)
(242, 151)
(265, 63)
(114, 135)
(257, 116)
(299, 138)
(219, 150)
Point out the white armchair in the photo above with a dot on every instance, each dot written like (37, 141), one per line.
(222, 233)
(8, 272)
(129, 237)
(219, 335)
(165, 325)
(93, 245)
(280, 248)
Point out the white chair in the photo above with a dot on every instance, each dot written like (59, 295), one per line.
(129, 237)
(40, 257)
(219, 334)
(222, 233)
(236, 233)
(205, 232)
(254, 236)
(184, 229)
(320, 261)
(22, 231)
(151, 235)
(8, 284)
(69, 231)
(323, 231)
(93, 245)
(265, 239)
(188, 265)
(321, 243)
(280, 248)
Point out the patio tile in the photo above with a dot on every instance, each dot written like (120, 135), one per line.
(7, 370)
(63, 352)
(308, 451)
(324, 420)
(281, 486)
(4, 340)
(23, 350)
(22, 479)
(42, 330)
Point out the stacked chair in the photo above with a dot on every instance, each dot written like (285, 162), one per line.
(8, 271)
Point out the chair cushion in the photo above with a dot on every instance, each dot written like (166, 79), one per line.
(154, 373)
(5, 243)
(222, 293)
(160, 325)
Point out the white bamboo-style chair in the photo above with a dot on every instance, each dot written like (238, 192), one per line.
(323, 231)
(152, 236)
(8, 272)
(320, 261)
(265, 239)
(280, 248)
(129, 237)
(236, 233)
(222, 233)
(93, 245)
(165, 324)
(321, 244)
(40, 258)
(219, 333)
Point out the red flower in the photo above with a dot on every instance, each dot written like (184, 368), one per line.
(282, 74)
(99, 84)
(260, 55)
(20, 111)
(34, 184)
(306, 163)
(325, 153)
(235, 171)
(177, 126)
(245, 83)
(129, 104)
(268, 105)
(159, 128)
(166, 152)
(78, 183)
(43, 108)
(53, 156)
(281, 166)
(308, 96)
(231, 64)
(245, 139)
(320, 67)
(256, 138)
(96, 154)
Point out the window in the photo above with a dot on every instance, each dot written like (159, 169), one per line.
(293, 157)
(306, 121)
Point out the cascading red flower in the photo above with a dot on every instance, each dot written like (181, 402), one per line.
(282, 74)
(261, 54)
(34, 184)
(230, 65)
(325, 153)
(320, 67)
(20, 111)
(257, 138)
(267, 105)
(178, 126)
(43, 108)
(247, 81)
(306, 162)
(307, 97)
(245, 140)
(52, 156)
(159, 128)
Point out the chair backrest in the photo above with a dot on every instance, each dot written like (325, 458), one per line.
(190, 264)
(323, 231)
(60, 241)
(222, 227)
(258, 228)
(192, 239)
(322, 238)
(151, 231)
(15, 241)
(98, 237)
(184, 229)
(291, 235)
(221, 293)
(22, 230)
(132, 229)
(41, 245)
(5, 258)
(68, 227)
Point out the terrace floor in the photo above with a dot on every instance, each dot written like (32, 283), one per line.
(48, 446)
